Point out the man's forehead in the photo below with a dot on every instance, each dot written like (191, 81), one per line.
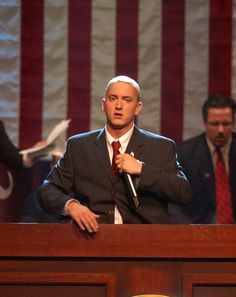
(125, 88)
(219, 111)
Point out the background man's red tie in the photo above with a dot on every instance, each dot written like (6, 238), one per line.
(224, 213)
(116, 146)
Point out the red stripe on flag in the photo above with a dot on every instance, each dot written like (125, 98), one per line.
(172, 69)
(127, 38)
(79, 73)
(31, 72)
(220, 49)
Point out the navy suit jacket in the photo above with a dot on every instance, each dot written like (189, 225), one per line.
(195, 158)
(85, 173)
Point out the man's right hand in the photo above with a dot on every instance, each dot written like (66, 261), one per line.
(83, 216)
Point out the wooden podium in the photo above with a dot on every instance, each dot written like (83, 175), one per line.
(119, 261)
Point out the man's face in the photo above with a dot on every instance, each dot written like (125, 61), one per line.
(219, 125)
(121, 105)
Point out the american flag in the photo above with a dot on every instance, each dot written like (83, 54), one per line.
(56, 58)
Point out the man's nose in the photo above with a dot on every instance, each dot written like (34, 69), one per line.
(119, 103)
(220, 128)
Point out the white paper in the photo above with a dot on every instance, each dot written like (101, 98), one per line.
(55, 142)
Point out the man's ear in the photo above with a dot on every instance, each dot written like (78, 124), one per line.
(138, 108)
(103, 102)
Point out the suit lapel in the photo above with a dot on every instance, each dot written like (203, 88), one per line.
(101, 153)
(135, 144)
(206, 169)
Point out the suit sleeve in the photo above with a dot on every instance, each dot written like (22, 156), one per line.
(165, 179)
(53, 194)
(9, 154)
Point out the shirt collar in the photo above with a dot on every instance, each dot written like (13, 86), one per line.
(224, 149)
(124, 139)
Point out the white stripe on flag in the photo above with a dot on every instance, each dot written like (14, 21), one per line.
(55, 63)
(9, 66)
(149, 68)
(103, 55)
(196, 64)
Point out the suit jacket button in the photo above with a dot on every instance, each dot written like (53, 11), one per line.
(111, 212)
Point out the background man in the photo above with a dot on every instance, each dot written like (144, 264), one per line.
(202, 157)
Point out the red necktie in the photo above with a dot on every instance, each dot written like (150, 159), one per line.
(224, 213)
(116, 146)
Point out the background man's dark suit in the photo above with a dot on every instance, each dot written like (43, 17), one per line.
(87, 160)
(194, 156)
(9, 154)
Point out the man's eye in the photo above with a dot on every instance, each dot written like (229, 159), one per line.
(215, 124)
(226, 123)
(127, 99)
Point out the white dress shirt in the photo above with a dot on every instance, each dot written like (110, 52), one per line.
(124, 140)
(224, 150)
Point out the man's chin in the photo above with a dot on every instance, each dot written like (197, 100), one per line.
(117, 127)
(220, 143)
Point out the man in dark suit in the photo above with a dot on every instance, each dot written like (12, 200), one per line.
(198, 158)
(82, 184)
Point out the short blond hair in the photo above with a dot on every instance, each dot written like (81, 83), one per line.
(125, 79)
